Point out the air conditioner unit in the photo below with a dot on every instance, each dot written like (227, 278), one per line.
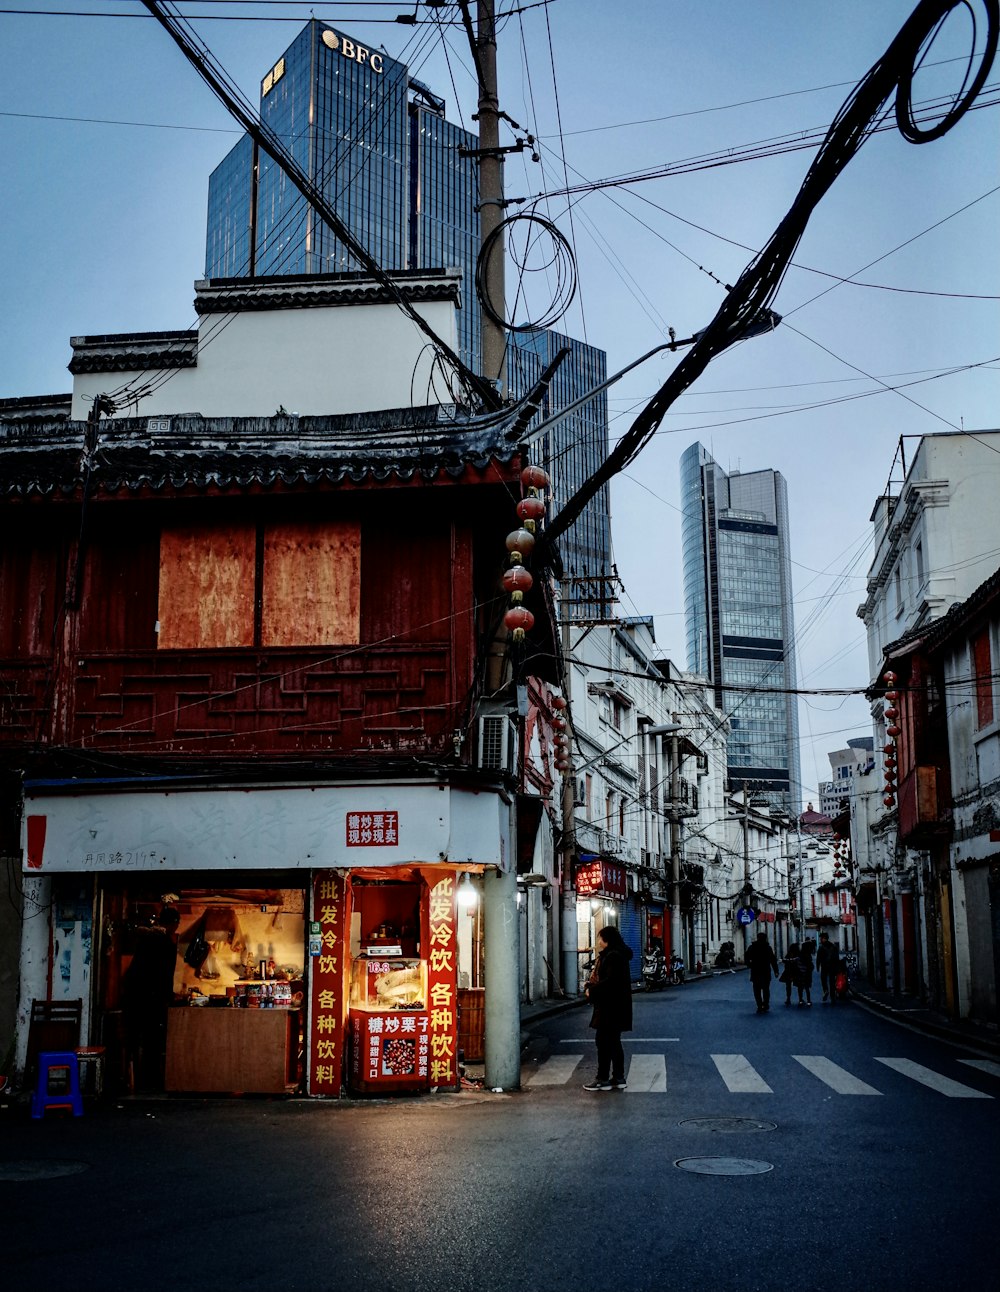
(497, 751)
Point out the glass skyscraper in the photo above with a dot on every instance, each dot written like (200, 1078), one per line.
(376, 143)
(739, 617)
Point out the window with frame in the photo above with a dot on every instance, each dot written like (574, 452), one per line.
(237, 585)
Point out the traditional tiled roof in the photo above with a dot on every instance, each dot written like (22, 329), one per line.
(53, 407)
(49, 458)
(134, 351)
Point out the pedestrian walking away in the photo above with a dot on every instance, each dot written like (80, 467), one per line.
(827, 962)
(805, 981)
(790, 971)
(610, 993)
(762, 962)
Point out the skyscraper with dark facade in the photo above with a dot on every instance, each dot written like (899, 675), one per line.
(376, 143)
(739, 617)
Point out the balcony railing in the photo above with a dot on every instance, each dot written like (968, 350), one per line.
(398, 699)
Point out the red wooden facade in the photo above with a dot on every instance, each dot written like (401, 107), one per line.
(278, 620)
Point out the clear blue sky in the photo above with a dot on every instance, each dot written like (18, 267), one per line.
(108, 138)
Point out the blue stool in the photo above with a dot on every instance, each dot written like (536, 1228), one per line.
(58, 1084)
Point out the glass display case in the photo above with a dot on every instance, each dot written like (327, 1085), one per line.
(389, 1024)
(388, 982)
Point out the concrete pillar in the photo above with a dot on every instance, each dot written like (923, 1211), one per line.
(503, 1010)
(34, 958)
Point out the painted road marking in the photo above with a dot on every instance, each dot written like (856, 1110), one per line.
(626, 1040)
(554, 1072)
(984, 1065)
(739, 1076)
(647, 1074)
(837, 1078)
(934, 1080)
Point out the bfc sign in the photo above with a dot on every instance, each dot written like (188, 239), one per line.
(352, 50)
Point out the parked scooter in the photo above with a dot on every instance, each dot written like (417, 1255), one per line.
(654, 970)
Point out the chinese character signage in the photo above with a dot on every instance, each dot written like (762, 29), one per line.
(327, 982)
(373, 829)
(390, 1049)
(442, 980)
(598, 877)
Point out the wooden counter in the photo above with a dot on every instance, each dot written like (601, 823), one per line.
(251, 1051)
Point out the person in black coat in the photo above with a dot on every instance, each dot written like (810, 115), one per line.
(610, 992)
(762, 962)
(827, 962)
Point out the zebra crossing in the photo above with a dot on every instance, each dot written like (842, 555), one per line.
(650, 1074)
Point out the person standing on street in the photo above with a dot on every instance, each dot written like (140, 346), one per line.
(790, 970)
(762, 962)
(806, 974)
(827, 961)
(610, 992)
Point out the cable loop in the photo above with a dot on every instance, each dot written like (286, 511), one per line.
(561, 261)
(963, 100)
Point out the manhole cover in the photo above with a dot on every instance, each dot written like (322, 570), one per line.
(21, 1171)
(727, 1125)
(723, 1165)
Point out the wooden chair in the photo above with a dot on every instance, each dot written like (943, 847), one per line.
(54, 1025)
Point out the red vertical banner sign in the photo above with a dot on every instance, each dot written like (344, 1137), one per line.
(442, 981)
(327, 984)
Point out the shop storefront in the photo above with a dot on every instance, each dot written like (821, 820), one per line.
(222, 941)
(600, 900)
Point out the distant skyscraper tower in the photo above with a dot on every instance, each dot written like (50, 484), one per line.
(375, 141)
(738, 614)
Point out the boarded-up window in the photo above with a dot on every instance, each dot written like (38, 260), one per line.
(982, 668)
(30, 573)
(207, 587)
(312, 583)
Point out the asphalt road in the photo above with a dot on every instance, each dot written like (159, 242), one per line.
(865, 1176)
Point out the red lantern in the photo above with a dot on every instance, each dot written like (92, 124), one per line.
(889, 676)
(531, 509)
(892, 731)
(520, 541)
(892, 713)
(534, 478)
(889, 800)
(892, 696)
(517, 581)
(558, 702)
(558, 724)
(519, 619)
(889, 749)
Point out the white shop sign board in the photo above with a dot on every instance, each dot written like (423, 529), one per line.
(270, 828)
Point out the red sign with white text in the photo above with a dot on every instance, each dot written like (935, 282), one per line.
(327, 982)
(601, 878)
(390, 1049)
(373, 829)
(442, 981)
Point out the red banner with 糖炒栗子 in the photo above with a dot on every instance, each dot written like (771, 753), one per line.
(442, 983)
(327, 985)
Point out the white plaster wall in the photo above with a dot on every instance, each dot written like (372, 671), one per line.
(314, 361)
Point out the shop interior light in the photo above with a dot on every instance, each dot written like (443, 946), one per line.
(595, 904)
(467, 896)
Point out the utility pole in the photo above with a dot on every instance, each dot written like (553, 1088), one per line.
(567, 928)
(676, 932)
(491, 199)
(746, 860)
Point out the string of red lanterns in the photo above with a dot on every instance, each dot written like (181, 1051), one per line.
(517, 580)
(892, 731)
